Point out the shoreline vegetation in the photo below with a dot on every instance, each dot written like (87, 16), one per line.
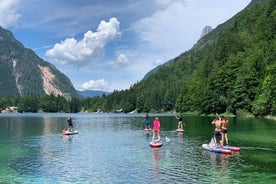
(243, 114)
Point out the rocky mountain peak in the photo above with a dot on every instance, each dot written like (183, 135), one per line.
(207, 29)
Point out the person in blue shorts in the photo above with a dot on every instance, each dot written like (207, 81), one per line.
(147, 121)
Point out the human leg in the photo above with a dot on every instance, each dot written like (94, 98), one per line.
(226, 138)
(153, 136)
(222, 138)
(159, 138)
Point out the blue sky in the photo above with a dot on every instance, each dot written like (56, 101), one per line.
(111, 44)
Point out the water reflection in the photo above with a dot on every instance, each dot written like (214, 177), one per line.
(67, 137)
(180, 135)
(156, 166)
(220, 165)
(113, 149)
(147, 132)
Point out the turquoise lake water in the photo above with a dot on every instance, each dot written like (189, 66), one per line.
(113, 148)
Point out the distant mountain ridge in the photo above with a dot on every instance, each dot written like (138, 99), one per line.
(91, 93)
(22, 72)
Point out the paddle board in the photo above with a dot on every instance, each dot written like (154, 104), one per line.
(216, 150)
(66, 132)
(232, 148)
(156, 144)
(179, 130)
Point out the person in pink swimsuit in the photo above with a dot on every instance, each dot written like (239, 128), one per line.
(156, 129)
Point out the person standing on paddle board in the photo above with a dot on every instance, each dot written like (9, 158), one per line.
(70, 124)
(217, 132)
(180, 122)
(147, 123)
(156, 129)
(224, 125)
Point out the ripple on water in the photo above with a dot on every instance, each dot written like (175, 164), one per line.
(125, 157)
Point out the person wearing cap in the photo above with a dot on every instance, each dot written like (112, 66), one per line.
(156, 129)
(70, 124)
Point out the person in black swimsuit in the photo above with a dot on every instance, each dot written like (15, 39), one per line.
(180, 122)
(224, 125)
(70, 124)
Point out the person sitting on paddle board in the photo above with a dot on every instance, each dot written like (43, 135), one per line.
(217, 132)
(147, 123)
(156, 129)
(70, 124)
(180, 123)
(224, 125)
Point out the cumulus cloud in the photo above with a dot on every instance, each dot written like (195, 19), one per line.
(9, 13)
(88, 50)
(95, 85)
(122, 59)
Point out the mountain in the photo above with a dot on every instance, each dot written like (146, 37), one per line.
(22, 72)
(206, 30)
(91, 93)
(232, 69)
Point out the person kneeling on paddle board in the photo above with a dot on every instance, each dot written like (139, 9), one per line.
(156, 129)
(70, 124)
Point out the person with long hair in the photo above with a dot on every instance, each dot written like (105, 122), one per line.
(224, 125)
(156, 129)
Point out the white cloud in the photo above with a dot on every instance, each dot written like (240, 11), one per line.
(88, 50)
(122, 59)
(95, 85)
(169, 31)
(164, 3)
(9, 13)
(177, 26)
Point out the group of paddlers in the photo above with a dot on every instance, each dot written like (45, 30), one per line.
(220, 133)
(157, 126)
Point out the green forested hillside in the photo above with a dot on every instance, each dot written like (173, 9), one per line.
(232, 69)
(237, 68)
(21, 71)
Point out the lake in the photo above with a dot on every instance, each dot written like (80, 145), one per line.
(113, 148)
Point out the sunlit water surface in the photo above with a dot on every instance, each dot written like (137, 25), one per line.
(113, 148)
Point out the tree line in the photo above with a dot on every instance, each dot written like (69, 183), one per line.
(45, 103)
(230, 70)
